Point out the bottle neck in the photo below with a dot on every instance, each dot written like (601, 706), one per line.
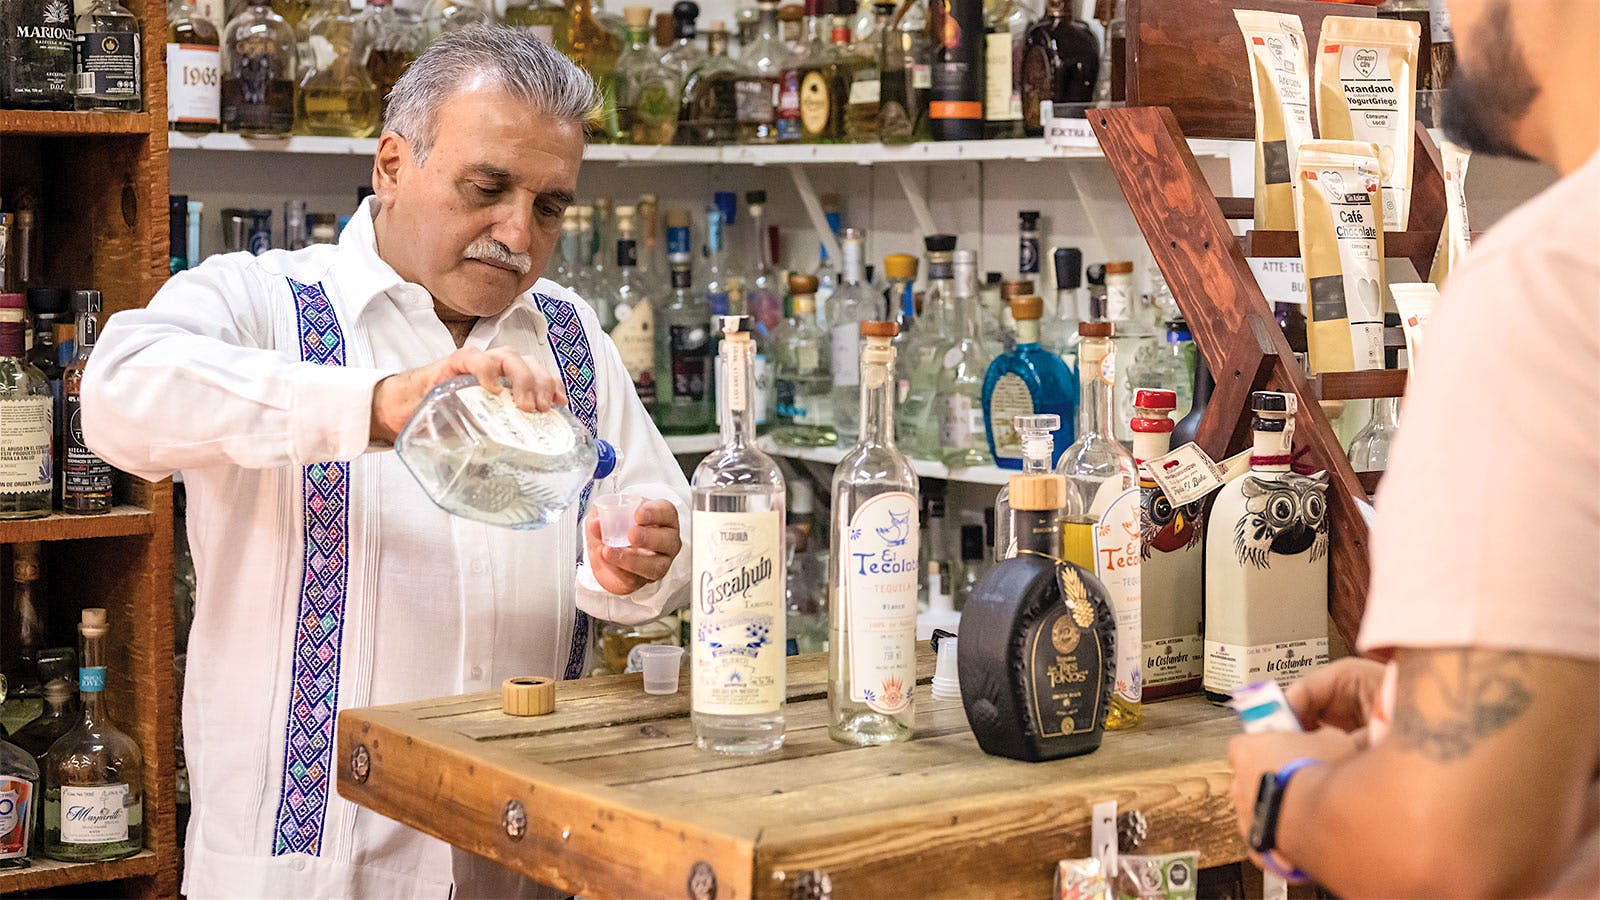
(92, 679)
(627, 250)
(638, 38)
(1067, 300)
(877, 393)
(1038, 530)
(13, 339)
(967, 317)
(805, 307)
(758, 229)
(1152, 441)
(1274, 442)
(1096, 377)
(767, 21)
(736, 407)
(1027, 331)
(851, 268)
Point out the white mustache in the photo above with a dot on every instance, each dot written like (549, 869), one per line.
(491, 250)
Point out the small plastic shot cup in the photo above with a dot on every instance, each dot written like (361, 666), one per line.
(661, 664)
(616, 513)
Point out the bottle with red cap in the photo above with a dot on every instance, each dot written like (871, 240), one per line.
(1170, 558)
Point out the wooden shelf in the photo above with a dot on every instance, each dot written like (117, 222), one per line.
(120, 522)
(1367, 385)
(48, 873)
(44, 122)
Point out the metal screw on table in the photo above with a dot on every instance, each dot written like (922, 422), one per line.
(514, 819)
(702, 882)
(1132, 828)
(360, 763)
(812, 884)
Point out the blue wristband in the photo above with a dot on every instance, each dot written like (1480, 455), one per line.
(1290, 874)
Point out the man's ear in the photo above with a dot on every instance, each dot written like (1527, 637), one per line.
(392, 158)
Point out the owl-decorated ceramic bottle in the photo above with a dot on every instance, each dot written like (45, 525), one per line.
(1170, 559)
(872, 585)
(1267, 563)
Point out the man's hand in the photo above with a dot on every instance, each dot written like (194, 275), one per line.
(1342, 695)
(1253, 755)
(655, 541)
(396, 397)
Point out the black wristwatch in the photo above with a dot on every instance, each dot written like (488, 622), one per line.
(1269, 803)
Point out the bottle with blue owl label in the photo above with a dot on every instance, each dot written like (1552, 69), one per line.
(1170, 559)
(1266, 570)
(872, 585)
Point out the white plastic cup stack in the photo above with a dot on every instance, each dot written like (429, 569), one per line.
(946, 677)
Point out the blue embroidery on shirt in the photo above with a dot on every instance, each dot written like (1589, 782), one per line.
(319, 626)
(576, 362)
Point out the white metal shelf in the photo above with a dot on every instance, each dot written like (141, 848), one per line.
(1017, 150)
(686, 445)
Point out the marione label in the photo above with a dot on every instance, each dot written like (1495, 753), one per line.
(738, 618)
(16, 802)
(94, 815)
(880, 601)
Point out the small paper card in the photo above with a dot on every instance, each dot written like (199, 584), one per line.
(1186, 474)
(1059, 133)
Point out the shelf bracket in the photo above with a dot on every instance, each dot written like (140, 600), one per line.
(819, 221)
(916, 197)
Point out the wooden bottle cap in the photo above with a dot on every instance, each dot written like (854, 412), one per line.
(1027, 308)
(1038, 492)
(879, 329)
(528, 695)
(1010, 290)
(802, 284)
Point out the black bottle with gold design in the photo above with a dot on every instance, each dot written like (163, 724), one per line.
(1038, 643)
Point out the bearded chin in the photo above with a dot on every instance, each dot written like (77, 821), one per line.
(1471, 119)
(1491, 90)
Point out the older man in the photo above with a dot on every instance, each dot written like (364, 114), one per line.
(326, 577)
(1470, 764)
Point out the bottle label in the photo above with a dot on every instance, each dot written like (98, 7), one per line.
(814, 104)
(738, 613)
(736, 393)
(499, 420)
(687, 350)
(194, 84)
(865, 91)
(1232, 666)
(763, 397)
(801, 406)
(91, 679)
(1173, 660)
(959, 421)
(82, 471)
(41, 59)
(754, 100)
(1116, 563)
(880, 601)
(635, 338)
(16, 808)
(94, 815)
(108, 64)
(1000, 103)
(1065, 695)
(845, 341)
(789, 106)
(25, 459)
(921, 77)
(1010, 398)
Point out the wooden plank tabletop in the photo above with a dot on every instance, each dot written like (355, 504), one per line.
(608, 797)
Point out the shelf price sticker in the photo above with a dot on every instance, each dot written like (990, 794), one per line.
(1066, 134)
(1282, 278)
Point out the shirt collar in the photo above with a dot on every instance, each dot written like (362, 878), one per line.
(363, 276)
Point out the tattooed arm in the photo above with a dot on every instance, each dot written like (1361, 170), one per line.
(1478, 789)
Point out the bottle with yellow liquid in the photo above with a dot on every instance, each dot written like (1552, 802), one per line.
(1100, 532)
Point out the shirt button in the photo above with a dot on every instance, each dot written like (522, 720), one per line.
(477, 672)
(478, 567)
(298, 863)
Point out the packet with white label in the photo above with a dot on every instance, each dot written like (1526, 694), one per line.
(1336, 203)
(1415, 304)
(1367, 91)
(1168, 876)
(1281, 82)
(1263, 708)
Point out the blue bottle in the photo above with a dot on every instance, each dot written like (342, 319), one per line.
(1027, 380)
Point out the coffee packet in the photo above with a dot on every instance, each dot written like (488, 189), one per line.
(1367, 91)
(1340, 220)
(1281, 81)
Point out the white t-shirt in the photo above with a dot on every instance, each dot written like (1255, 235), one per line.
(1488, 518)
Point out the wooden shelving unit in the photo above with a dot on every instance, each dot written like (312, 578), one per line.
(99, 184)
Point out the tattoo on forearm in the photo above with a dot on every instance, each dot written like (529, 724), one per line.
(1447, 700)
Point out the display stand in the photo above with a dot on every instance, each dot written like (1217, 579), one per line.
(1193, 87)
(98, 184)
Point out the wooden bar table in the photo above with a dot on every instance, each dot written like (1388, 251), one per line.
(608, 797)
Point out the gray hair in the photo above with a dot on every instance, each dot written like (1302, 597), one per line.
(525, 66)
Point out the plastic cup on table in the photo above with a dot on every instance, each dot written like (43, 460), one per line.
(661, 664)
(616, 513)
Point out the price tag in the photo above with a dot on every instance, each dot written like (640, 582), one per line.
(1186, 474)
(1074, 134)
(1103, 835)
(1282, 279)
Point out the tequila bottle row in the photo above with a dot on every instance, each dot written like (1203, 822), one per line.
(739, 564)
(872, 585)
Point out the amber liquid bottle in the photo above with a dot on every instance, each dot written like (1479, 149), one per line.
(1060, 62)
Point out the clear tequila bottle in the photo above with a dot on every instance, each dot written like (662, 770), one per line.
(923, 360)
(27, 473)
(110, 67)
(684, 398)
(1369, 452)
(1104, 537)
(959, 403)
(762, 63)
(763, 288)
(803, 394)
(1059, 333)
(739, 611)
(259, 63)
(853, 302)
(93, 774)
(633, 312)
(647, 90)
(873, 584)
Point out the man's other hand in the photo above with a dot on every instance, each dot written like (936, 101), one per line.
(396, 397)
(1342, 695)
(654, 542)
